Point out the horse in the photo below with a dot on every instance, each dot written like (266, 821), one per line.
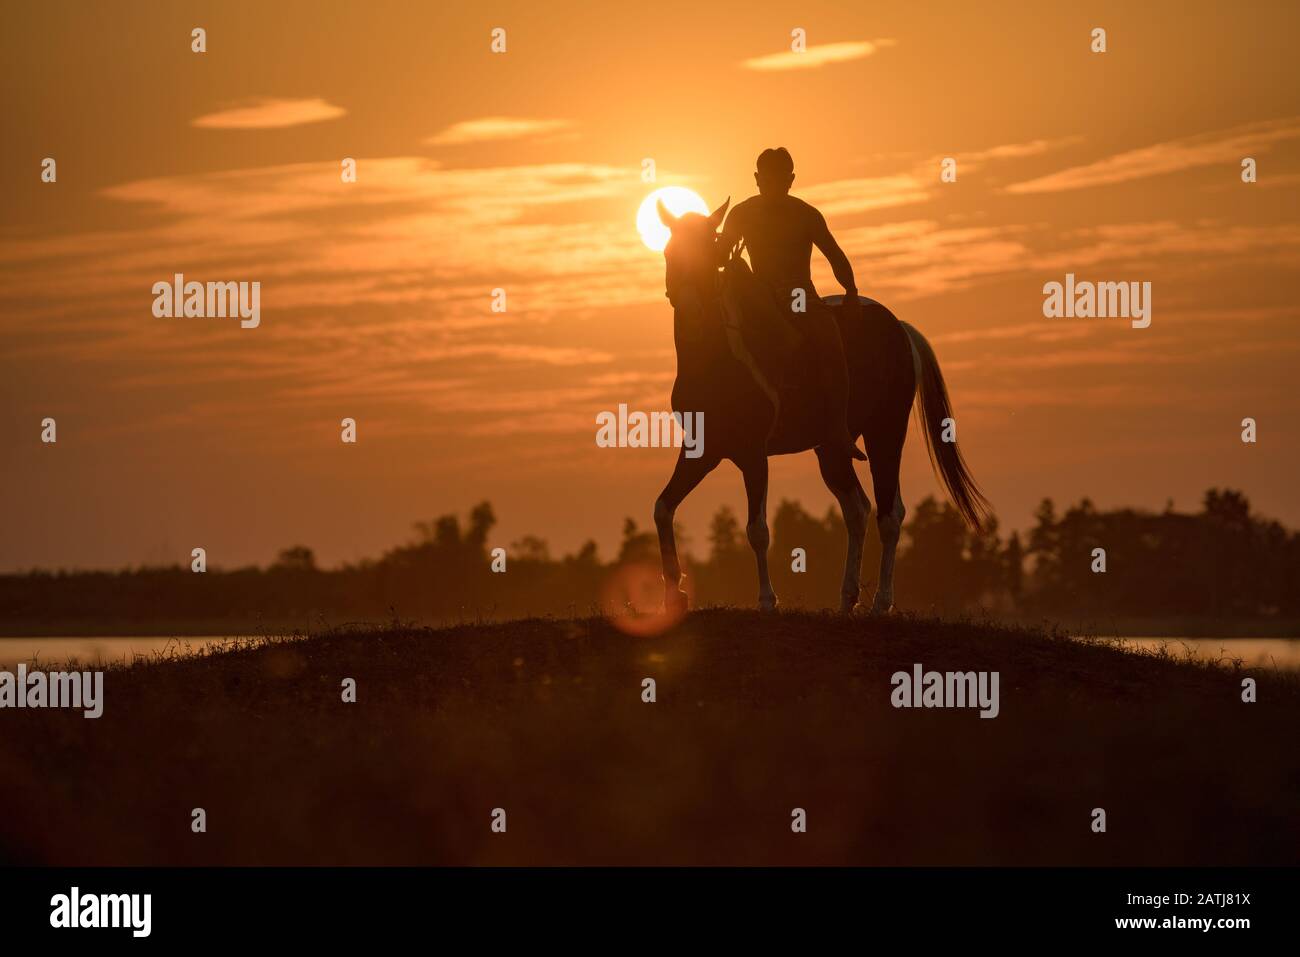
(891, 366)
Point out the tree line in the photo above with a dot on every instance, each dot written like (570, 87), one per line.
(1221, 561)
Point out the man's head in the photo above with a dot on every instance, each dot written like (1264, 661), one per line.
(775, 172)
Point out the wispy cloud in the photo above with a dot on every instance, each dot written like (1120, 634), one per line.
(1226, 147)
(923, 258)
(846, 196)
(1019, 150)
(816, 56)
(927, 258)
(411, 259)
(391, 282)
(496, 128)
(266, 113)
(374, 297)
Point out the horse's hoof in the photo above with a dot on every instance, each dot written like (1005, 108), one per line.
(767, 604)
(676, 602)
(879, 607)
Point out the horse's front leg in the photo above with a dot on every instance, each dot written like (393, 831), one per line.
(754, 470)
(688, 473)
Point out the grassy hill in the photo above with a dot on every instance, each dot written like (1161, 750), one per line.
(755, 715)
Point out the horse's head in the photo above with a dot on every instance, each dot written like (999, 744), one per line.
(691, 256)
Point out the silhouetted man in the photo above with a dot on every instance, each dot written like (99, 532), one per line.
(780, 232)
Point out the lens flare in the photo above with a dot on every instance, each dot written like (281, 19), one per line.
(633, 598)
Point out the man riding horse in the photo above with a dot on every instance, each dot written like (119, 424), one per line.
(772, 378)
(780, 231)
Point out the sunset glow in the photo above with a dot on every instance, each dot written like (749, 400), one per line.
(442, 440)
(376, 291)
(679, 200)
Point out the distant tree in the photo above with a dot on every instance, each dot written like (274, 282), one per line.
(586, 555)
(442, 532)
(1229, 509)
(824, 542)
(638, 546)
(1014, 562)
(298, 558)
(1044, 539)
(725, 537)
(481, 522)
(932, 567)
(728, 575)
(1222, 561)
(1045, 549)
(530, 548)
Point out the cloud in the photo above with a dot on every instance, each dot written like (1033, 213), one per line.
(1226, 147)
(1018, 150)
(923, 258)
(1196, 247)
(266, 113)
(816, 56)
(412, 258)
(384, 292)
(846, 196)
(495, 128)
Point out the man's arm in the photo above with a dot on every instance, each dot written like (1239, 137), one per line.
(840, 265)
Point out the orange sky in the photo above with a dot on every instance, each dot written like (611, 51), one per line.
(225, 165)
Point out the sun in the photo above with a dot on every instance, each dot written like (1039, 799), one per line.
(679, 200)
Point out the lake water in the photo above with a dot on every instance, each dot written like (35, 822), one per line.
(1283, 653)
(49, 651)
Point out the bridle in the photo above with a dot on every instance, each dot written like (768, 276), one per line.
(711, 296)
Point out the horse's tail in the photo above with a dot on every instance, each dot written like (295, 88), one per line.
(936, 414)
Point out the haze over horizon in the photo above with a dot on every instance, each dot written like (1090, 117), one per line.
(522, 171)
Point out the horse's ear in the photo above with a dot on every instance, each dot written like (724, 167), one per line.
(665, 217)
(715, 220)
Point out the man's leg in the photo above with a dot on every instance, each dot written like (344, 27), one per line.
(835, 371)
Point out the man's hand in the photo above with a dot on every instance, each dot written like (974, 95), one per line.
(851, 308)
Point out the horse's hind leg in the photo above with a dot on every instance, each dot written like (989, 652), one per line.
(687, 474)
(837, 473)
(890, 524)
(754, 471)
(886, 455)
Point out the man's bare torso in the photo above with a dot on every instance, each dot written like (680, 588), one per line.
(779, 232)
